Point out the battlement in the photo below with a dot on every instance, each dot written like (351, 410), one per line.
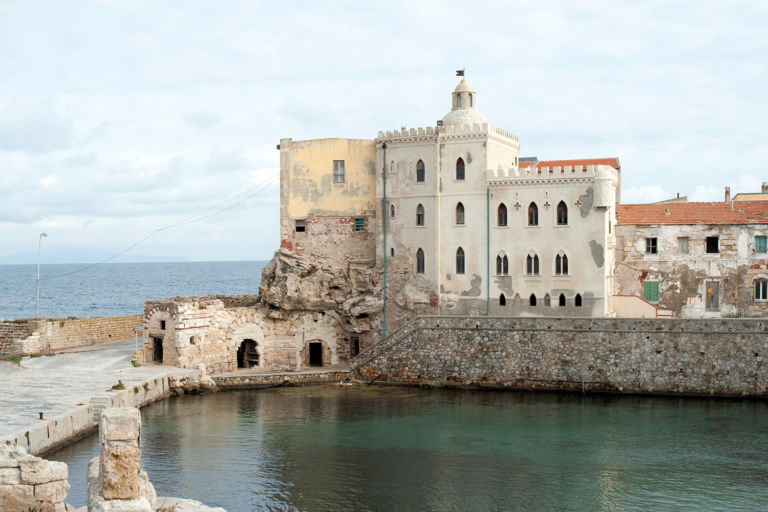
(546, 173)
(464, 129)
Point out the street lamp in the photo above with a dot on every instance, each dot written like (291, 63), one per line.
(37, 291)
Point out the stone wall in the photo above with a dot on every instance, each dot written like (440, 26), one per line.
(680, 356)
(11, 332)
(31, 483)
(84, 331)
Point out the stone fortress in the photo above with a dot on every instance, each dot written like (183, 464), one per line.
(449, 220)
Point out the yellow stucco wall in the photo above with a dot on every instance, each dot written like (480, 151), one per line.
(306, 175)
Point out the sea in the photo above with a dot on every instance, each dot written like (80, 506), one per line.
(117, 288)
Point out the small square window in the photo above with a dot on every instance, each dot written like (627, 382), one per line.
(338, 171)
(301, 225)
(162, 325)
(682, 245)
(651, 291)
(760, 243)
(651, 245)
(359, 224)
(713, 244)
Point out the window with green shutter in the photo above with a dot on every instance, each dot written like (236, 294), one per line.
(359, 224)
(760, 243)
(651, 291)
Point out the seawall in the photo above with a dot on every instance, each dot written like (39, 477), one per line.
(720, 357)
(35, 337)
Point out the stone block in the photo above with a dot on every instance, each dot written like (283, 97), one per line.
(120, 467)
(10, 476)
(41, 471)
(120, 424)
(52, 492)
(16, 497)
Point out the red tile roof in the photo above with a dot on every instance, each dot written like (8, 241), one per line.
(613, 162)
(743, 212)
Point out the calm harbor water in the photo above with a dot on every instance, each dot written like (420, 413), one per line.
(349, 448)
(118, 288)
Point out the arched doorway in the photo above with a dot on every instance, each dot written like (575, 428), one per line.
(248, 354)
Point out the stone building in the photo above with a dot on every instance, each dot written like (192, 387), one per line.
(695, 259)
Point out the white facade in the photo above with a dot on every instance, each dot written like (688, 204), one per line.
(492, 176)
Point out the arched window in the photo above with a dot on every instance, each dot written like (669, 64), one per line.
(501, 215)
(532, 265)
(532, 299)
(460, 261)
(761, 289)
(577, 300)
(561, 265)
(470, 99)
(392, 211)
(392, 251)
(459, 213)
(547, 300)
(458, 100)
(498, 265)
(505, 264)
(562, 214)
(561, 301)
(420, 171)
(419, 261)
(533, 215)
(419, 215)
(460, 169)
(392, 166)
(502, 300)
(536, 265)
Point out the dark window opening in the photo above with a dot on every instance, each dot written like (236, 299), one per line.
(577, 300)
(533, 215)
(460, 169)
(460, 261)
(391, 251)
(316, 354)
(392, 211)
(301, 225)
(561, 265)
(532, 299)
(562, 214)
(419, 261)
(459, 213)
(561, 300)
(501, 216)
(713, 244)
(419, 215)
(502, 300)
(359, 224)
(354, 346)
(761, 290)
(247, 354)
(420, 171)
(162, 325)
(651, 245)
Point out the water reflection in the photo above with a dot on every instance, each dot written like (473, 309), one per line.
(332, 448)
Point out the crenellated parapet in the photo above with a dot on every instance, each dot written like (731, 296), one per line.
(411, 135)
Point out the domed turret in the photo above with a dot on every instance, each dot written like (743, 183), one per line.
(463, 110)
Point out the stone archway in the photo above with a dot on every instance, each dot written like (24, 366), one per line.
(246, 346)
(316, 339)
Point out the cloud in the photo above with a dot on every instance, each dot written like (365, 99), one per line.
(96, 133)
(202, 120)
(646, 194)
(34, 128)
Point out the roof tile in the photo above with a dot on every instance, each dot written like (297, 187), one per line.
(747, 212)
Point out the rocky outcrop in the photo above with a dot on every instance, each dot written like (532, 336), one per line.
(292, 283)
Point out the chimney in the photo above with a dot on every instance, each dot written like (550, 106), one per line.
(765, 187)
(727, 194)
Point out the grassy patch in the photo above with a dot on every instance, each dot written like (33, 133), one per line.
(135, 363)
(12, 359)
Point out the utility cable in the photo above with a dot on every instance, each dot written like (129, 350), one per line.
(217, 210)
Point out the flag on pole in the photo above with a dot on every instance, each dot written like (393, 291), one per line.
(459, 72)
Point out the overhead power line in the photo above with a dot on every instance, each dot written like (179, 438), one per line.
(216, 210)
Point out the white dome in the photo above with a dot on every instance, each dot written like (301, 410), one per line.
(463, 111)
(468, 116)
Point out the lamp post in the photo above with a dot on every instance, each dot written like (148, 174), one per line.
(37, 290)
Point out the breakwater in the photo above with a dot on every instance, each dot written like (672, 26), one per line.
(722, 357)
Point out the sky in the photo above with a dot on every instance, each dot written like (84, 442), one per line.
(118, 118)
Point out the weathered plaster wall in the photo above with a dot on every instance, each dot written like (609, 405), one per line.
(720, 357)
(683, 278)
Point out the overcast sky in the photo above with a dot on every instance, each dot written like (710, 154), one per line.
(120, 117)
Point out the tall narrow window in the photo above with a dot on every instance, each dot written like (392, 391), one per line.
(536, 265)
(419, 215)
(459, 213)
(533, 215)
(502, 300)
(470, 99)
(561, 265)
(532, 265)
(419, 261)
(460, 261)
(562, 214)
(561, 300)
(420, 171)
(338, 171)
(532, 299)
(460, 169)
(577, 300)
(761, 289)
(392, 211)
(458, 100)
(651, 291)
(682, 244)
(760, 245)
(498, 265)
(565, 265)
(505, 265)
(501, 215)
